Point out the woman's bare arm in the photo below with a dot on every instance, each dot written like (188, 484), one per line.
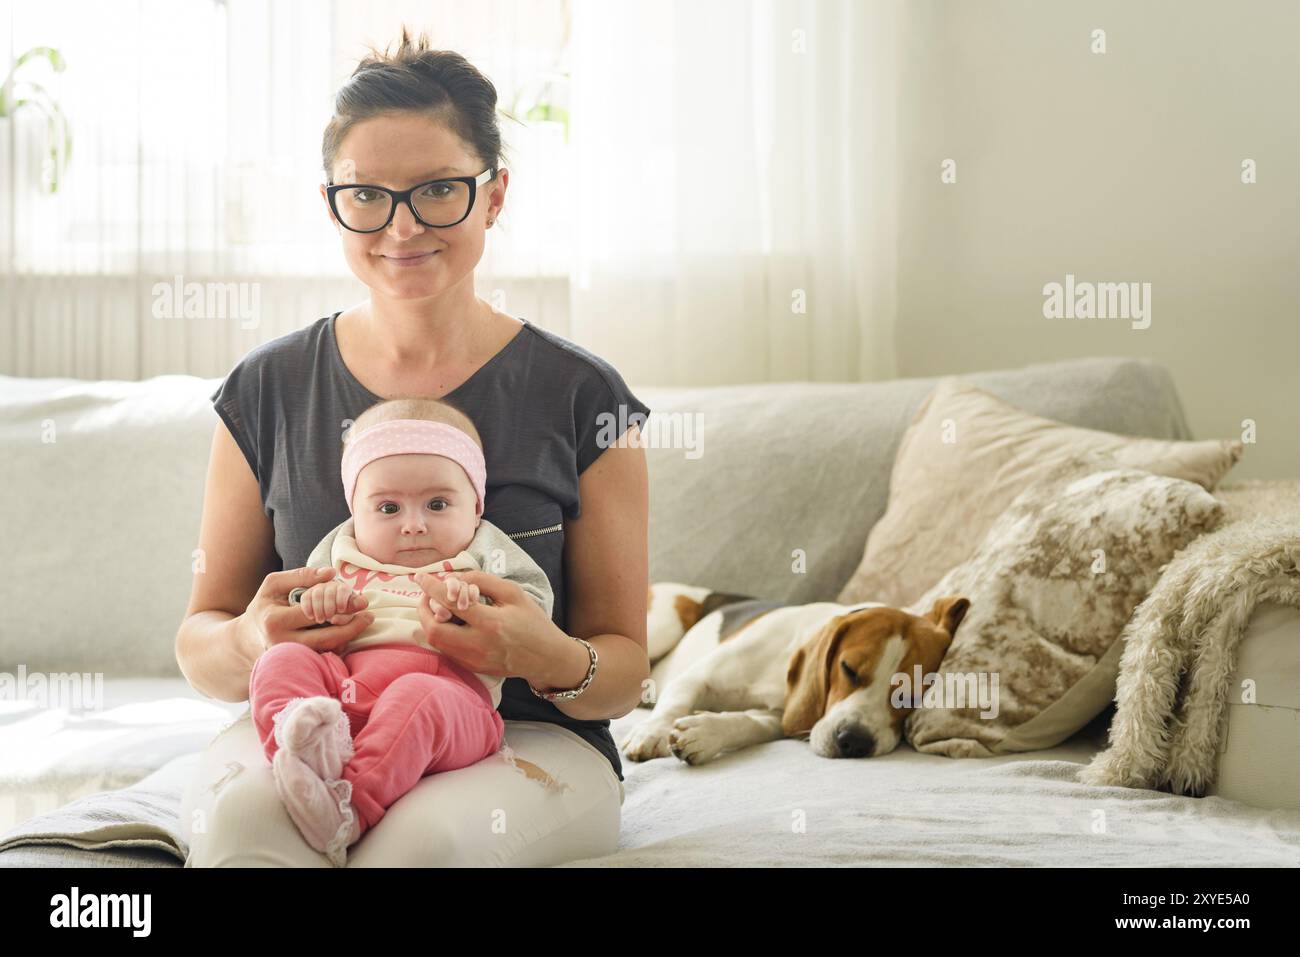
(606, 569)
(214, 648)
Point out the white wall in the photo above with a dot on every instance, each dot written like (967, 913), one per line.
(1122, 166)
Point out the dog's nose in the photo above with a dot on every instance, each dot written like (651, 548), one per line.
(854, 743)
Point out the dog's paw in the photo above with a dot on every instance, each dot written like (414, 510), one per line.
(648, 740)
(698, 738)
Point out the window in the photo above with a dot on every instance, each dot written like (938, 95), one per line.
(203, 155)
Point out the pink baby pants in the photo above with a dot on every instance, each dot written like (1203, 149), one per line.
(412, 711)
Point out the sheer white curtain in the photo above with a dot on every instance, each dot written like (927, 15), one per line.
(196, 130)
(718, 207)
(193, 125)
(736, 176)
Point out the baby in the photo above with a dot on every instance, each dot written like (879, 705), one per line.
(414, 478)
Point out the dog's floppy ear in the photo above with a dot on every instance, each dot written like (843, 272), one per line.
(947, 613)
(807, 680)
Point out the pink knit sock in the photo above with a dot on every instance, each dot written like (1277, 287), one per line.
(321, 810)
(317, 731)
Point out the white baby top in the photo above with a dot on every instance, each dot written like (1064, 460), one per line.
(394, 595)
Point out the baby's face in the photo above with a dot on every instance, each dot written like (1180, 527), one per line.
(413, 509)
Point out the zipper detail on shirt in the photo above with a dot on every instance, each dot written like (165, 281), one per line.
(537, 531)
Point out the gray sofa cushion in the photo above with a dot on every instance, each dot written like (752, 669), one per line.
(778, 497)
(103, 485)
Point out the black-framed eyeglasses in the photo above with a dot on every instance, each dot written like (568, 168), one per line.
(367, 208)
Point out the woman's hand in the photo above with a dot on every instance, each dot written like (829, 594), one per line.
(512, 637)
(273, 619)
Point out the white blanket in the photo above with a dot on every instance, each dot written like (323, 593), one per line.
(52, 755)
(779, 804)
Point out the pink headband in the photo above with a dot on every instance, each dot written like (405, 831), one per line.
(404, 436)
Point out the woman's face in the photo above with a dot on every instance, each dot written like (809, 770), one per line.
(414, 509)
(401, 150)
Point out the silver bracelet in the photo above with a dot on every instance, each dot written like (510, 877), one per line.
(574, 692)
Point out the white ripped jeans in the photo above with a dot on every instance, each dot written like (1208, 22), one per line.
(487, 814)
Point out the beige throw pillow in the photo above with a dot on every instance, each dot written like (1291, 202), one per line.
(962, 460)
(1051, 588)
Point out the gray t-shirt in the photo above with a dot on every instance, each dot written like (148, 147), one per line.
(542, 406)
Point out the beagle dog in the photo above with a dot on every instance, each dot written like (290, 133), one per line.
(740, 672)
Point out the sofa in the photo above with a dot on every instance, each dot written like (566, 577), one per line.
(742, 476)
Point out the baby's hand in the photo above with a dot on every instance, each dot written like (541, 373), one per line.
(332, 601)
(462, 593)
(458, 591)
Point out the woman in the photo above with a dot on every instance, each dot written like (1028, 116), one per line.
(574, 499)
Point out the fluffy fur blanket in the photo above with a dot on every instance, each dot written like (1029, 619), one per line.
(1180, 646)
